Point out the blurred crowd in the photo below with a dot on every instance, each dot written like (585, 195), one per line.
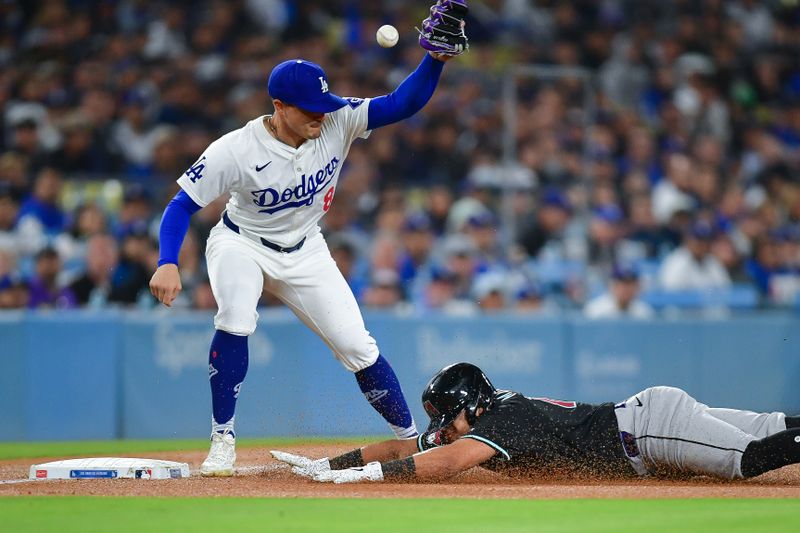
(676, 170)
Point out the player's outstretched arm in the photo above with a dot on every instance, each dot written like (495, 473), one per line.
(432, 465)
(409, 97)
(380, 451)
(443, 36)
(166, 282)
(447, 461)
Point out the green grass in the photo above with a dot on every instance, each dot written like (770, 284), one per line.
(19, 450)
(86, 514)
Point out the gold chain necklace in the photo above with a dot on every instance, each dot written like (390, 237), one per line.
(272, 127)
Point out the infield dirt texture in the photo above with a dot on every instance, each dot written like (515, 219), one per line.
(265, 496)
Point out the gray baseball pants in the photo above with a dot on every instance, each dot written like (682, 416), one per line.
(664, 430)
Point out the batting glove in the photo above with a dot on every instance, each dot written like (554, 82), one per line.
(303, 466)
(370, 472)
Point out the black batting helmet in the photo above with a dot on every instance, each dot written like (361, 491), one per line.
(453, 388)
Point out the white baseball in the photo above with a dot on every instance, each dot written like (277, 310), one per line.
(387, 36)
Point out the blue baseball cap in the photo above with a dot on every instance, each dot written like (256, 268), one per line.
(483, 219)
(609, 213)
(303, 84)
(555, 198)
(624, 272)
(703, 230)
(418, 221)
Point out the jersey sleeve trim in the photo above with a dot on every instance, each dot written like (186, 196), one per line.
(490, 443)
(196, 199)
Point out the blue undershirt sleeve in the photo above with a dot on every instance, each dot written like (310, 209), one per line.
(409, 97)
(174, 225)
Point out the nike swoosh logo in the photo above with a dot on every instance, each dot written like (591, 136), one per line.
(638, 401)
(260, 168)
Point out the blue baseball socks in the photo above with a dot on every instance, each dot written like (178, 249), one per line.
(382, 390)
(227, 366)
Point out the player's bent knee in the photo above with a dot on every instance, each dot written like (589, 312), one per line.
(236, 323)
(356, 351)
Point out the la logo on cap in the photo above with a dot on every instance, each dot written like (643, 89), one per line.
(324, 84)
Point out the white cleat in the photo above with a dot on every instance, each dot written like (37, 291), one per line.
(221, 457)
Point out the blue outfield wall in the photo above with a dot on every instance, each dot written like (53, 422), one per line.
(145, 375)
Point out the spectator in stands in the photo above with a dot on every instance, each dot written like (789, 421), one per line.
(192, 271)
(530, 298)
(605, 233)
(8, 264)
(439, 293)
(692, 266)
(490, 292)
(40, 216)
(460, 258)
(786, 285)
(551, 219)
(724, 249)
(345, 254)
(622, 299)
(133, 135)
(14, 294)
(131, 277)
(136, 212)
(13, 174)
(483, 229)
(9, 209)
(94, 286)
(673, 193)
(774, 266)
(44, 289)
(384, 291)
(75, 154)
(25, 141)
(646, 239)
(417, 242)
(439, 201)
(88, 220)
(169, 160)
(702, 112)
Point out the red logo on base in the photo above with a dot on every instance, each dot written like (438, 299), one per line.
(40, 474)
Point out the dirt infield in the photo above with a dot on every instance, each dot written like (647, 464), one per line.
(262, 476)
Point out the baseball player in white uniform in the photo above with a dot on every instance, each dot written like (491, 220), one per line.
(281, 171)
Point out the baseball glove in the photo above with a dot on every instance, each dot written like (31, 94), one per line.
(443, 31)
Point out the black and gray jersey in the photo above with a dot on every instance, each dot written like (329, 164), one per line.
(542, 435)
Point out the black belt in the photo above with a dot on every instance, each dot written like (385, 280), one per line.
(228, 222)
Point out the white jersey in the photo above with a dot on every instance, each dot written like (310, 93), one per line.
(277, 192)
(606, 306)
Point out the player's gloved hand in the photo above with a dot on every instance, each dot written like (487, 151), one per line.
(303, 466)
(442, 32)
(369, 472)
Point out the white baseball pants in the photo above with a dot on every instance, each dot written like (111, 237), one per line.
(675, 433)
(307, 281)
